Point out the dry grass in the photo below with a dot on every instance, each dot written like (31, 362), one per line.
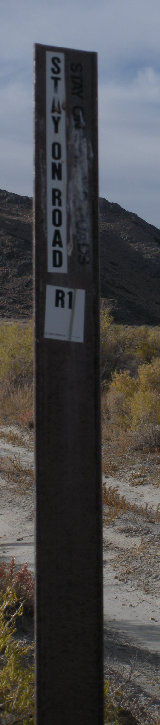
(124, 347)
(17, 437)
(14, 438)
(118, 505)
(17, 476)
(16, 363)
(17, 406)
(17, 580)
(130, 401)
(131, 566)
(119, 455)
(16, 354)
(121, 451)
(115, 503)
(144, 476)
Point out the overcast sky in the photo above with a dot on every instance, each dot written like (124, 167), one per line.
(126, 35)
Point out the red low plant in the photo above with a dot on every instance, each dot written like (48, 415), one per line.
(20, 581)
(26, 419)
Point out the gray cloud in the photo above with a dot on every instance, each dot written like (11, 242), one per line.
(16, 166)
(129, 143)
(126, 36)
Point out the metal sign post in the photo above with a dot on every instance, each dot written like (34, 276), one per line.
(69, 628)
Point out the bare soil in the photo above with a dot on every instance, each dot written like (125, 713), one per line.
(17, 498)
(131, 568)
(132, 594)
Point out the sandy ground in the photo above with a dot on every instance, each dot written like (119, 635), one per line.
(17, 508)
(132, 600)
(131, 575)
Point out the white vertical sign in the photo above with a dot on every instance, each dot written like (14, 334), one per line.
(56, 161)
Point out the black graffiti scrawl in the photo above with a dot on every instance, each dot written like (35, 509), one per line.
(81, 154)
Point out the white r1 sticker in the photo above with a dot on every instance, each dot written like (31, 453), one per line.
(64, 313)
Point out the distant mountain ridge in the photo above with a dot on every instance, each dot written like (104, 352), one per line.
(129, 261)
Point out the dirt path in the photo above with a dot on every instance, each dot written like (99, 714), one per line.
(17, 499)
(131, 571)
(132, 602)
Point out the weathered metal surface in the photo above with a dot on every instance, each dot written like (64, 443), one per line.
(69, 633)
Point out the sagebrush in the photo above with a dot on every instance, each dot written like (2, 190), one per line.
(16, 363)
(16, 656)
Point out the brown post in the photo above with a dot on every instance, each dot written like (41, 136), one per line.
(69, 627)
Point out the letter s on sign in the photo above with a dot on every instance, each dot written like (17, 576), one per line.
(56, 62)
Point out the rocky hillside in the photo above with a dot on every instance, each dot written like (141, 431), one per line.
(129, 261)
(130, 265)
(15, 255)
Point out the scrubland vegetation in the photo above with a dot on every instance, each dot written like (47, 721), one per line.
(16, 364)
(130, 380)
(16, 655)
(16, 587)
(130, 369)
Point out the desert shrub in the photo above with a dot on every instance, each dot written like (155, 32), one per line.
(147, 343)
(16, 362)
(110, 710)
(149, 376)
(16, 666)
(17, 581)
(145, 404)
(114, 503)
(115, 345)
(133, 403)
(16, 406)
(119, 398)
(124, 347)
(16, 354)
(105, 333)
(113, 712)
(145, 408)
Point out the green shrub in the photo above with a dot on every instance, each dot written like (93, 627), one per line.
(17, 581)
(110, 710)
(113, 712)
(16, 666)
